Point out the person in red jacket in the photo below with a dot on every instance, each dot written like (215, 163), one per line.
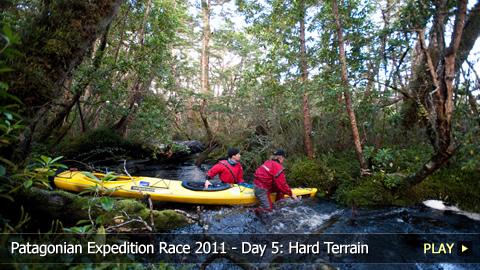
(230, 170)
(270, 177)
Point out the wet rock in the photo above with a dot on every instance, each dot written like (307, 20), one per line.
(194, 146)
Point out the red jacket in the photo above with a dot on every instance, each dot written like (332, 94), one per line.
(271, 175)
(227, 172)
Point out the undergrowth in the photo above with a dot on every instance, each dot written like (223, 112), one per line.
(337, 176)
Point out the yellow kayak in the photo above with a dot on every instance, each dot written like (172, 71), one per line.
(167, 190)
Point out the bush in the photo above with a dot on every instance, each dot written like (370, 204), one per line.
(325, 173)
(368, 192)
(308, 172)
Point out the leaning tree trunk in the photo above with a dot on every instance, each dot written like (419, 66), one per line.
(439, 102)
(138, 89)
(346, 93)
(36, 89)
(63, 114)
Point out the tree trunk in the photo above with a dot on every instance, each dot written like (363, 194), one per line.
(204, 155)
(204, 67)
(121, 125)
(204, 80)
(59, 117)
(63, 114)
(306, 104)
(22, 149)
(439, 102)
(348, 98)
(340, 123)
(56, 67)
(205, 56)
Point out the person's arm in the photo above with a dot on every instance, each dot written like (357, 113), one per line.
(211, 173)
(281, 183)
(240, 174)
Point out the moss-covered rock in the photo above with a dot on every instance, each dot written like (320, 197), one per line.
(44, 206)
(166, 219)
(163, 220)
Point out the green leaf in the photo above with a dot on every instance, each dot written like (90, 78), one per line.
(28, 183)
(107, 203)
(2, 170)
(83, 221)
(46, 159)
(7, 31)
(89, 205)
(55, 159)
(90, 175)
(6, 39)
(6, 197)
(100, 238)
(100, 219)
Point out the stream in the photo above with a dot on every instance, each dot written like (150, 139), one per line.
(295, 235)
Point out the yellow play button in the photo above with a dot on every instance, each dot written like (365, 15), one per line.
(464, 248)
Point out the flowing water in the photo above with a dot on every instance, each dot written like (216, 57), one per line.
(396, 236)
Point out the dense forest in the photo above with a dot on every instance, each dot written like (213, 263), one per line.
(375, 103)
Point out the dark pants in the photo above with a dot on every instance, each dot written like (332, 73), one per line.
(263, 197)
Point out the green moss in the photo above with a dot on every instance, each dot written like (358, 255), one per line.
(166, 219)
(325, 173)
(457, 187)
(368, 193)
(163, 220)
(130, 206)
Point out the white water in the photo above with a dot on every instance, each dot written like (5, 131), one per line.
(440, 205)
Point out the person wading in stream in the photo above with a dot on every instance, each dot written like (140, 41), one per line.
(270, 177)
(230, 170)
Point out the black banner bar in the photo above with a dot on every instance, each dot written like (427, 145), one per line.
(368, 248)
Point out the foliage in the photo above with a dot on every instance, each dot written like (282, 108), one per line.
(10, 121)
(389, 160)
(38, 172)
(55, 39)
(365, 193)
(308, 172)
